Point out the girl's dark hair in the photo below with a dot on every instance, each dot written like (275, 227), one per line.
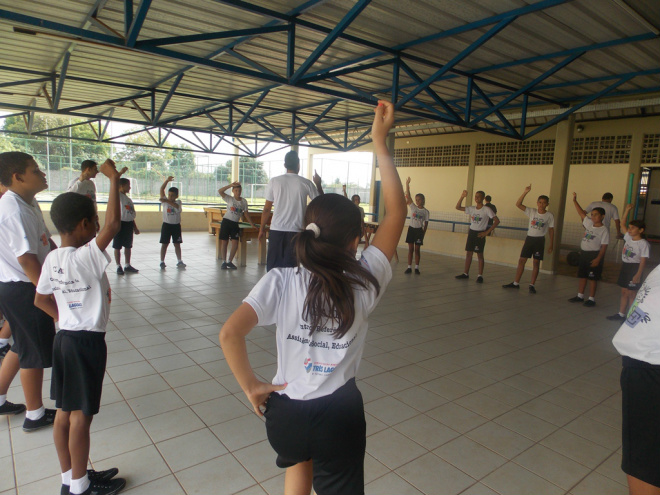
(640, 225)
(335, 272)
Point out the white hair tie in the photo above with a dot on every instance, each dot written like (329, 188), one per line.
(314, 228)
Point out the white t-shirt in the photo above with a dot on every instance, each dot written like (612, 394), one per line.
(82, 292)
(235, 209)
(171, 214)
(288, 193)
(318, 365)
(594, 237)
(539, 223)
(85, 187)
(127, 209)
(634, 251)
(611, 211)
(418, 216)
(23, 231)
(479, 217)
(639, 336)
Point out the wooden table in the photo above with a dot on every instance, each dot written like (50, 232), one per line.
(371, 228)
(214, 217)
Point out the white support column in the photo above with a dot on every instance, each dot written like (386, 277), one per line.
(235, 168)
(634, 167)
(472, 167)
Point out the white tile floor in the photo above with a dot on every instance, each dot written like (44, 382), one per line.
(468, 388)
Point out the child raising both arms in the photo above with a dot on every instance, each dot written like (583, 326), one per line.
(419, 222)
(635, 255)
(314, 410)
(171, 228)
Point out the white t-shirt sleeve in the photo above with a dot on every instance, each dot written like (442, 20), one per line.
(269, 192)
(92, 259)
(605, 239)
(43, 286)
(489, 213)
(264, 297)
(615, 213)
(551, 221)
(377, 263)
(226, 197)
(313, 191)
(22, 237)
(529, 211)
(644, 249)
(469, 210)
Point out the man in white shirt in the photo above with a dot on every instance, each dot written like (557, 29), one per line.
(611, 212)
(289, 193)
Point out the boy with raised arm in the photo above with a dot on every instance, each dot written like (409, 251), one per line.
(541, 221)
(124, 238)
(171, 228)
(74, 289)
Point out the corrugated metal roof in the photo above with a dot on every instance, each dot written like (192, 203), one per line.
(615, 45)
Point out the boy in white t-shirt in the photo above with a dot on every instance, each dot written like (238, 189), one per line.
(480, 214)
(419, 222)
(124, 238)
(237, 208)
(592, 252)
(83, 184)
(541, 221)
(74, 289)
(5, 332)
(171, 228)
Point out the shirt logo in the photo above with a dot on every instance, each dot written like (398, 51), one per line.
(308, 365)
(589, 236)
(537, 223)
(628, 252)
(44, 240)
(476, 218)
(75, 305)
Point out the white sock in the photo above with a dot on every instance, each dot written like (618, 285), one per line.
(66, 477)
(591, 299)
(4, 342)
(409, 267)
(531, 285)
(36, 414)
(517, 284)
(621, 314)
(79, 486)
(179, 260)
(580, 295)
(480, 276)
(3, 399)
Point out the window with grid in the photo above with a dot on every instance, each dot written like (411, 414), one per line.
(539, 152)
(651, 148)
(457, 155)
(601, 149)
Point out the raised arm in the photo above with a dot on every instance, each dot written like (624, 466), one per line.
(343, 189)
(112, 213)
(318, 182)
(579, 209)
(408, 197)
(388, 234)
(163, 196)
(626, 212)
(519, 203)
(459, 205)
(222, 190)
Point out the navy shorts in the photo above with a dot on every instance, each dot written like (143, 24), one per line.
(229, 230)
(533, 248)
(124, 238)
(475, 243)
(170, 231)
(628, 271)
(415, 236)
(32, 329)
(281, 250)
(330, 430)
(585, 270)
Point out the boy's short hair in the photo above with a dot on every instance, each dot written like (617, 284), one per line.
(12, 162)
(420, 195)
(69, 209)
(482, 193)
(599, 210)
(355, 196)
(124, 181)
(174, 190)
(291, 160)
(488, 198)
(543, 196)
(607, 196)
(87, 164)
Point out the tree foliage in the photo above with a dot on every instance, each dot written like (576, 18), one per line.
(251, 170)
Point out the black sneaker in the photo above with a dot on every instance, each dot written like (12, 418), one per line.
(105, 487)
(231, 266)
(180, 264)
(616, 317)
(30, 425)
(106, 475)
(462, 276)
(120, 270)
(511, 286)
(9, 408)
(408, 271)
(162, 265)
(4, 350)
(576, 299)
(130, 269)
(417, 271)
(589, 303)
(224, 265)
(480, 279)
(532, 289)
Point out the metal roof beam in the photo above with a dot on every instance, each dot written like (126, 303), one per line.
(60, 83)
(24, 82)
(321, 75)
(498, 113)
(168, 97)
(329, 39)
(218, 35)
(105, 102)
(314, 122)
(247, 114)
(138, 21)
(251, 63)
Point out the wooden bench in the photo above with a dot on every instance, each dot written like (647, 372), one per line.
(214, 217)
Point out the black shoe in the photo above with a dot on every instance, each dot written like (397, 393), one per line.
(224, 265)
(480, 279)
(532, 289)
(616, 317)
(589, 303)
(106, 475)
(576, 299)
(162, 265)
(417, 271)
(231, 266)
(130, 269)
(408, 271)
(9, 408)
(462, 276)
(30, 425)
(4, 350)
(105, 487)
(64, 490)
(511, 286)
(120, 270)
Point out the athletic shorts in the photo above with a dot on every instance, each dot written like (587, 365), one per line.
(640, 387)
(170, 231)
(585, 270)
(124, 238)
(32, 329)
(628, 271)
(229, 230)
(79, 359)
(533, 248)
(281, 250)
(330, 430)
(415, 236)
(474, 242)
